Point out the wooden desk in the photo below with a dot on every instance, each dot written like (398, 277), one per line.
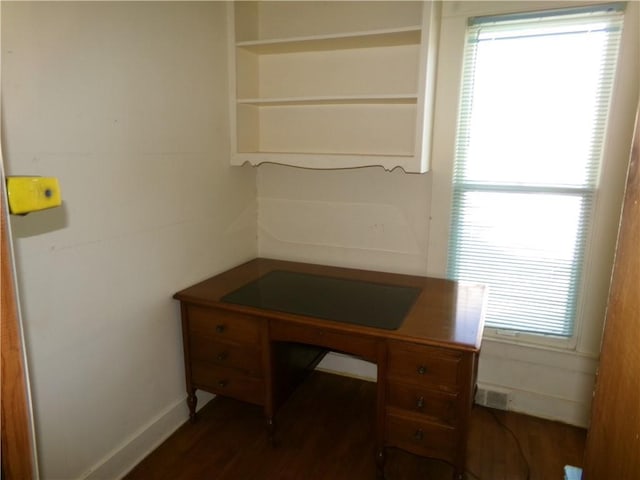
(426, 368)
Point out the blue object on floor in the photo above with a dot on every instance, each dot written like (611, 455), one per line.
(572, 473)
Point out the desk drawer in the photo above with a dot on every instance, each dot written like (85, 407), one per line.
(227, 382)
(438, 405)
(422, 365)
(224, 326)
(421, 437)
(354, 344)
(245, 358)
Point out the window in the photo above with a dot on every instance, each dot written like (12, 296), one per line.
(534, 104)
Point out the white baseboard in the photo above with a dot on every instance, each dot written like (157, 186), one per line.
(563, 410)
(537, 404)
(137, 446)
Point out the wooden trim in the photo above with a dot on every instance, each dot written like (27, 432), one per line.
(613, 440)
(17, 450)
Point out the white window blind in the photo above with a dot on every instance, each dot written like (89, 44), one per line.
(534, 104)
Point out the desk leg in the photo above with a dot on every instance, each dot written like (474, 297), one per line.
(381, 458)
(192, 401)
(271, 430)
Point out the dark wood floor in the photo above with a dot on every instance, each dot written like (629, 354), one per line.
(325, 432)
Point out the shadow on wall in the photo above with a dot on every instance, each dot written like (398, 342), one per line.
(38, 223)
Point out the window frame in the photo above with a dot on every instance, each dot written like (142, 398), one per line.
(582, 187)
(600, 241)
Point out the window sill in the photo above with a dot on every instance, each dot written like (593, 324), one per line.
(539, 342)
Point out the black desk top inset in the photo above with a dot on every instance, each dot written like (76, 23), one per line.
(339, 299)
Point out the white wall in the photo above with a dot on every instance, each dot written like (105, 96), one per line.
(126, 103)
(398, 222)
(363, 217)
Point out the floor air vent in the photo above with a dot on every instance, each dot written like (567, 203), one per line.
(492, 398)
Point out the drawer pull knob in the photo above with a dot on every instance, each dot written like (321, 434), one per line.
(419, 435)
(222, 356)
(222, 383)
(220, 328)
(422, 370)
(420, 403)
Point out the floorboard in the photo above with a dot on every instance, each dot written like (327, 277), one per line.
(325, 431)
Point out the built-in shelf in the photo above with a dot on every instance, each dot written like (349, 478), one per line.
(366, 39)
(332, 84)
(337, 100)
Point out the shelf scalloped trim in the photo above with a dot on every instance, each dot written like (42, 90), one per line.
(333, 161)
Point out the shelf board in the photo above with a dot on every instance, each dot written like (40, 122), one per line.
(327, 154)
(332, 100)
(366, 39)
